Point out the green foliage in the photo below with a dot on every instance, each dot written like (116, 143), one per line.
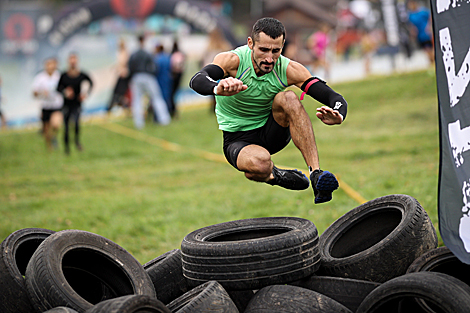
(146, 198)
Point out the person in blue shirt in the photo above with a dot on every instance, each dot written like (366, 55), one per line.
(420, 19)
(163, 73)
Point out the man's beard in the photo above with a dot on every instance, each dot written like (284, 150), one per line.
(260, 67)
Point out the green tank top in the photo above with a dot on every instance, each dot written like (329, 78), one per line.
(251, 108)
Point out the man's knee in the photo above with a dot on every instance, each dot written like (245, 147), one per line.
(287, 100)
(254, 161)
(260, 169)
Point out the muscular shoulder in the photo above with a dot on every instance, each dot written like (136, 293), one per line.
(228, 61)
(297, 74)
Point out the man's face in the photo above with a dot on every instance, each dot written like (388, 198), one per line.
(266, 51)
(73, 61)
(412, 5)
(50, 66)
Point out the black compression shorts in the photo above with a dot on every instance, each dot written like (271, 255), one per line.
(47, 113)
(272, 136)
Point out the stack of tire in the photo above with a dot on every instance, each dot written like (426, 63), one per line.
(380, 257)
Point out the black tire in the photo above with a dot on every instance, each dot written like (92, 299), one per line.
(378, 240)
(78, 269)
(61, 309)
(130, 304)
(348, 292)
(292, 299)
(440, 260)
(15, 252)
(208, 297)
(444, 292)
(253, 253)
(241, 298)
(166, 273)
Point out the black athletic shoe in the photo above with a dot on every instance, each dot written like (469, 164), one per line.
(323, 183)
(289, 179)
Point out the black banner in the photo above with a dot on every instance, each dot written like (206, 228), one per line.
(451, 24)
(195, 13)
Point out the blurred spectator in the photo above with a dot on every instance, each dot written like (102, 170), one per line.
(2, 117)
(162, 61)
(143, 81)
(368, 48)
(318, 44)
(178, 63)
(122, 84)
(420, 18)
(347, 39)
(290, 50)
(70, 85)
(217, 44)
(45, 90)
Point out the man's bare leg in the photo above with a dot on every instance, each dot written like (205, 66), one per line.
(256, 162)
(288, 111)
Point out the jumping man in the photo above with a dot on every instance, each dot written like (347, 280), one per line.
(259, 118)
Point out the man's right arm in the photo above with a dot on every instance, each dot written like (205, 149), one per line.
(60, 84)
(205, 82)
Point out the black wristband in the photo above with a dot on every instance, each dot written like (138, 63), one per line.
(204, 81)
(320, 91)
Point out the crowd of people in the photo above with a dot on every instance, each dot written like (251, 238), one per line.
(147, 81)
(330, 41)
(156, 76)
(60, 95)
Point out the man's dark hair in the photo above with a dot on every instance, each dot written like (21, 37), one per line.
(270, 26)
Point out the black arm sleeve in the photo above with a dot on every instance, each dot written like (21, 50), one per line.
(204, 81)
(60, 85)
(86, 77)
(320, 91)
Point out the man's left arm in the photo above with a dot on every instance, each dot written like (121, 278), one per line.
(336, 107)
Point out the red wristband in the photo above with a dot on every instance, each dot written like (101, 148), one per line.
(313, 81)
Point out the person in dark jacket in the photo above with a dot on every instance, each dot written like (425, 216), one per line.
(142, 72)
(70, 85)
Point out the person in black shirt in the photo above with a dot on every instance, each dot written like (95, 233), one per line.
(70, 85)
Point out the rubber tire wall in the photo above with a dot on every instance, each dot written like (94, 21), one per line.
(15, 252)
(166, 273)
(208, 297)
(378, 240)
(252, 253)
(78, 269)
(440, 260)
(292, 299)
(445, 292)
(130, 304)
(348, 292)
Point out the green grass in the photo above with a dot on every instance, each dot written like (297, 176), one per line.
(147, 199)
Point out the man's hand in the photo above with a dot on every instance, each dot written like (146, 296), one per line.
(230, 86)
(329, 116)
(68, 93)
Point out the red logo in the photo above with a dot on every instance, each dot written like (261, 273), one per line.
(133, 8)
(19, 27)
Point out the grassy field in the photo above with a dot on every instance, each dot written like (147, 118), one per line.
(147, 198)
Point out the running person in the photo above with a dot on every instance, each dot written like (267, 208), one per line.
(258, 118)
(70, 85)
(44, 89)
